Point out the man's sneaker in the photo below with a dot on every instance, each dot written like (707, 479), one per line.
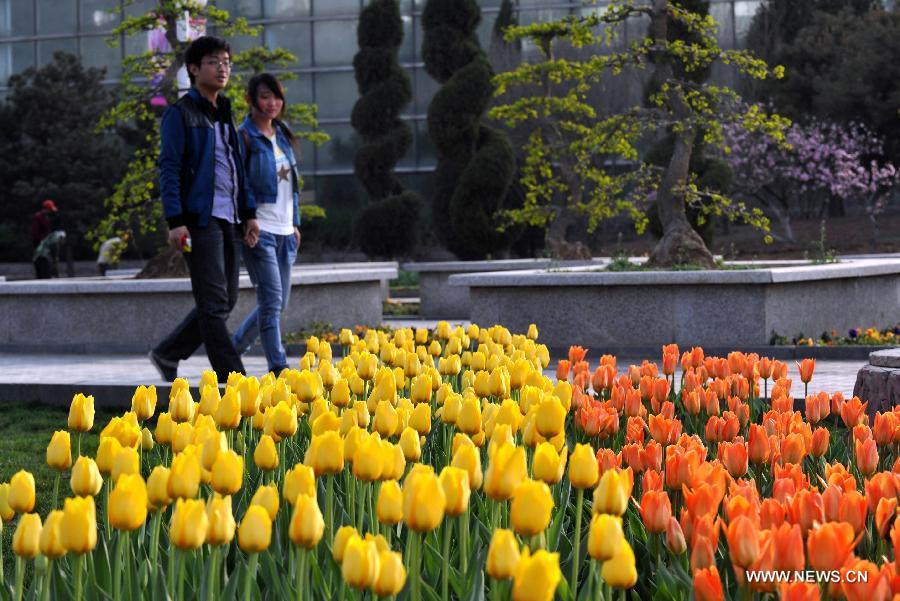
(168, 370)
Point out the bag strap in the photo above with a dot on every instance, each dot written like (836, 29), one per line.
(246, 138)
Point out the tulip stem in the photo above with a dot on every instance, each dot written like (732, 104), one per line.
(78, 446)
(576, 543)
(495, 589)
(154, 547)
(329, 506)
(251, 574)
(445, 556)
(2, 575)
(170, 573)
(464, 544)
(79, 571)
(118, 565)
(182, 566)
(56, 489)
(20, 577)
(45, 588)
(213, 574)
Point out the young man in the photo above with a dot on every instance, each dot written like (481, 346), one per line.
(201, 173)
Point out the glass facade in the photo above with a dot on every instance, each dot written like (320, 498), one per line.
(321, 33)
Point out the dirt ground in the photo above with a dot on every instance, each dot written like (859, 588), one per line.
(844, 235)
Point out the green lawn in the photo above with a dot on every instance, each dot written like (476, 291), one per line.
(25, 431)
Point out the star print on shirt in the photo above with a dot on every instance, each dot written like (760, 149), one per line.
(283, 174)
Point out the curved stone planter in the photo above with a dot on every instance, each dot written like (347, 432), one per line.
(127, 315)
(440, 300)
(878, 383)
(726, 309)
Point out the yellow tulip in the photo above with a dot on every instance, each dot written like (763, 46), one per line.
(143, 402)
(220, 516)
(468, 458)
(361, 563)
(620, 571)
(309, 384)
(265, 456)
(537, 576)
(106, 454)
(307, 525)
(455, 483)
(184, 479)
(368, 461)
(78, 528)
(228, 413)
(326, 453)
(420, 419)
(341, 538)
(126, 462)
(563, 392)
(212, 447)
(27, 538)
(390, 503)
(531, 507)
(182, 436)
(423, 499)
(386, 419)
(284, 419)
(255, 531)
(394, 462)
(500, 384)
(181, 406)
(506, 469)
(266, 496)
(391, 574)
(21, 492)
(548, 465)
(146, 440)
(158, 488)
(420, 391)
(209, 400)
(340, 393)
(127, 508)
(503, 555)
(410, 444)
(228, 473)
(326, 422)
(583, 469)
(362, 413)
(165, 428)
(51, 545)
(86, 479)
(550, 417)
(59, 451)
(532, 332)
(611, 495)
(468, 420)
(81, 413)
(300, 480)
(248, 391)
(189, 523)
(7, 513)
(604, 536)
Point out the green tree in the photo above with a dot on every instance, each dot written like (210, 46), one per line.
(49, 149)
(387, 227)
(133, 208)
(573, 152)
(476, 163)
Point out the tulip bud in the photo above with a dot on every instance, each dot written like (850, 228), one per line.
(620, 571)
(455, 482)
(78, 528)
(220, 516)
(126, 462)
(341, 538)
(611, 495)
(59, 451)
(391, 574)
(85, 480)
(127, 508)
(228, 473)
(184, 480)
(583, 468)
(423, 499)
(27, 538)
(675, 537)
(158, 488)
(267, 497)
(532, 506)
(503, 555)
(143, 403)
(307, 525)
(51, 545)
(537, 576)
(21, 492)
(81, 413)
(361, 563)
(468, 458)
(300, 480)
(390, 503)
(506, 470)
(265, 456)
(7, 513)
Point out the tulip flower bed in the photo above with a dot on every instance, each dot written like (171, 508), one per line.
(445, 464)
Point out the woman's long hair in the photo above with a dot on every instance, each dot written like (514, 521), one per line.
(271, 82)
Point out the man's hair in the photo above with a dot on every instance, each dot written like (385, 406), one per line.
(201, 48)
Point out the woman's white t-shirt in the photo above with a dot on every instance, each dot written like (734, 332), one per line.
(278, 218)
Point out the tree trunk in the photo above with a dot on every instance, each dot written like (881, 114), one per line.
(680, 244)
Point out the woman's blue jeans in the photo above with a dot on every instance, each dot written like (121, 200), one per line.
(269, 266)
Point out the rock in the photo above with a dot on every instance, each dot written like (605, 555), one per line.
(885, 358)
(880, 386)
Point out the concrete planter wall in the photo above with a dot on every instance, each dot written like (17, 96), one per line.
(715, 309)
(127, 315)
(440, 300)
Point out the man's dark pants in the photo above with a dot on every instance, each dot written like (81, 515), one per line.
(213, 263)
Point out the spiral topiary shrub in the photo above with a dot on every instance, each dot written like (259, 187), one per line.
(476, 164)
(387, 226)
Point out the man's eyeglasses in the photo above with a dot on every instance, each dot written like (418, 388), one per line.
(219, 64)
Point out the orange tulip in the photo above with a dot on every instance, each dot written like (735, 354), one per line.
(806, 509)
(562, 369)
(866, 457)
(829, 545)
(758, 445)
(798, 590)
(806, 367)
(675, 537)
(831, 501)
(874, 586)
(703, 553)
(743, 541)
(854, 412)
(886, 425)
(664, 431)
(882, 484)
(820, 440)
(884, 515)
(733, 455)
(764, 367)
(852, 510)
(656, 510)
(576, 354)
(817, 407)
(708, 585)
(788, 548)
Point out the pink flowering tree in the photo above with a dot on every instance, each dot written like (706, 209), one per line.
(821, 160)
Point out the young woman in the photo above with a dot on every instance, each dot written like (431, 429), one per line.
(273, 182)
